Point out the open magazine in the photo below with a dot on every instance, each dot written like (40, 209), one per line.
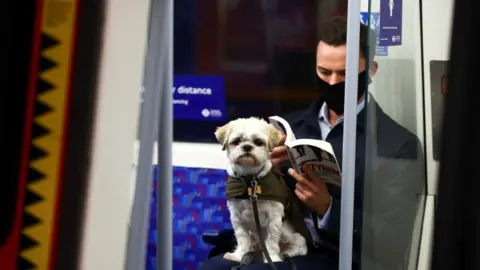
(309, 154)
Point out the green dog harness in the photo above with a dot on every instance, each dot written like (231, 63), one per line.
(271, 187)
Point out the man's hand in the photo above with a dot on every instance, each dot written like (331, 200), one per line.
(312, 191)
(279, 154)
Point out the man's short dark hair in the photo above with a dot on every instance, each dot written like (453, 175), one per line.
(334, 33)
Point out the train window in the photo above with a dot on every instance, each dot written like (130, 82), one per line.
(239, 59)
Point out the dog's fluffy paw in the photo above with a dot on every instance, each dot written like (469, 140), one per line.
(231, 257)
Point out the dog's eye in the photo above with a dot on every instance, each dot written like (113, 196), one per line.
(259, 142)
(235, 142)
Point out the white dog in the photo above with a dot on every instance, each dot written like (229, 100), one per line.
(248, 143)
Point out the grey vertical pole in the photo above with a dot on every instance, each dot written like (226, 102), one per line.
(165, 137)
(157, 77)
(349, 135)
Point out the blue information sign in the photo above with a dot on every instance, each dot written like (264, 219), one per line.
(391, 26)
(375, 25)
(199, 97)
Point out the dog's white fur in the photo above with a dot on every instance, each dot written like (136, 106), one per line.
(280, 237)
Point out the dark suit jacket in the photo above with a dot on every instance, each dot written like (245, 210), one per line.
(389, 176)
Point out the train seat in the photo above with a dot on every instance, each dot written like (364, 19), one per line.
(199, 210)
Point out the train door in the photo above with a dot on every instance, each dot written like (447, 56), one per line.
(41, 211)
(59, 115)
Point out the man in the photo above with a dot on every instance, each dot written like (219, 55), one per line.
(388, 173)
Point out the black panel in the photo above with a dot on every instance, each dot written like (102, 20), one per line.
(17, 20)
(457, 222)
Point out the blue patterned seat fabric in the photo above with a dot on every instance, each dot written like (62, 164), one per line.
(198, 205)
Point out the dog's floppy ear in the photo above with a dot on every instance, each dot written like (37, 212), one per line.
(222, 134)
(274, 137)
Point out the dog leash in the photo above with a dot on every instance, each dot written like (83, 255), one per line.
(254, 199)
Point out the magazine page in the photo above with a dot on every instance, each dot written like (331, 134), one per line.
(317, 156)
(283, 126)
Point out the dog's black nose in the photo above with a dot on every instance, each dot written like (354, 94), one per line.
(247, 148)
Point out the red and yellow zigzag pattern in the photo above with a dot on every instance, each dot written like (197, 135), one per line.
(58, 27)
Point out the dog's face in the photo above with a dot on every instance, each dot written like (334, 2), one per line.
(248, 142)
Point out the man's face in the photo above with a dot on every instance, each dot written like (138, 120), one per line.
(331, 63)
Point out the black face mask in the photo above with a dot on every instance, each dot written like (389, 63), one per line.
(334, 95)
